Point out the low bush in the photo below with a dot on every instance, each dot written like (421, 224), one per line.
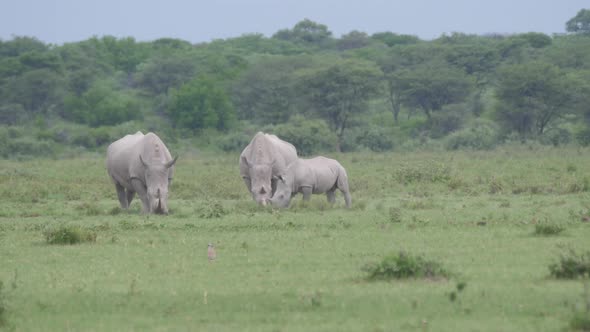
(481, 135)
(212, 209)
(547, 229)
(571, 265)
(404, 265)
(68, 234)
(376, 139)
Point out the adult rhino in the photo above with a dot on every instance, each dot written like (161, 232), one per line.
(141, 164)
(312, 176)
(262, 162)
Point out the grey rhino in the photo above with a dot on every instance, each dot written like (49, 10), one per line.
(262, 162)
(312, 176)
(141, 164)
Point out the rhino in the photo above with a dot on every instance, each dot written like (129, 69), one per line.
(141, 164)
(262, 162)
(312, 176)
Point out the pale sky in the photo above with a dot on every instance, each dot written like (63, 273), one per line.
(60, 21)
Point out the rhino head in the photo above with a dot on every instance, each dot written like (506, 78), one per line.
(157, 178)
(261, 177)
(283, 193)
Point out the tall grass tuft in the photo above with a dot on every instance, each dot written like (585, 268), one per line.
(403, 266)
(68, 234)
(548, 229)
(571, 265)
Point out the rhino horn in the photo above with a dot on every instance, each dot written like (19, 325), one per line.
(171, 162)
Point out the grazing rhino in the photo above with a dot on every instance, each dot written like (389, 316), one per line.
(262, 162)
(141, 164)
(312, 176)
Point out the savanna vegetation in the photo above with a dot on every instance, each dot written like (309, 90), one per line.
(379, 92)
(441, 241)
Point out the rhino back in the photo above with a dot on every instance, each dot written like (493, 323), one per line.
(269, 149)
(323, 172)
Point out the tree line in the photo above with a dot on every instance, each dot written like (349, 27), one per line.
(357, 91)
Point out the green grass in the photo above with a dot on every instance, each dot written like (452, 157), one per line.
(300, 269)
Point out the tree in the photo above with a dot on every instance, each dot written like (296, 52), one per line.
(532, 95)
(103, 104)
(306, 32)
(390, 39)
(201, 103)
(432, 85)
(579, 23)
(340, 91)
(159, 74)
(265, 93)
(352, 40)
(36, 90)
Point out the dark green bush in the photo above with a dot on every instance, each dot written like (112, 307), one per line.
(583, 137)
(404, 265)
(481, 135)
(571, 265)
(376, 139)
(547, 229)
(234, 141)
(556, 137)
(448, 120)
(309, 136)
(68, 234)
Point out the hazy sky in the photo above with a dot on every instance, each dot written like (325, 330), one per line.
(59, 21)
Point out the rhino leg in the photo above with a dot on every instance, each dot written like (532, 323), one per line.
(342, 184)
(121, 195)
(141, 191)
(347, 198)
(331, 195)
(306, 191)
(130, 195)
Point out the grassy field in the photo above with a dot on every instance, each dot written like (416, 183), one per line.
(300, 269)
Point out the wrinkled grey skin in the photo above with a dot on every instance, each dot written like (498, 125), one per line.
(262, 162)
(312, 176)
(141, 164)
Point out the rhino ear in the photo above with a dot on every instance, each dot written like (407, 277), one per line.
(172, 162)
(244, 160)
(142, 162)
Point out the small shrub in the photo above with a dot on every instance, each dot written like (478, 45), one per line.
(395, 215)
(580, 321)
(430, 172)
(69, 234)
(212, 209)
(403, 266)
(547, 229)
(571, 265)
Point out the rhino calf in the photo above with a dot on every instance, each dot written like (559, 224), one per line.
(141, 164)
(312, 176)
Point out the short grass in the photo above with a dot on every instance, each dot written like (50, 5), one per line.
(301, 269)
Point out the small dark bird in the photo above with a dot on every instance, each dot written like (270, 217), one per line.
(211, 254)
